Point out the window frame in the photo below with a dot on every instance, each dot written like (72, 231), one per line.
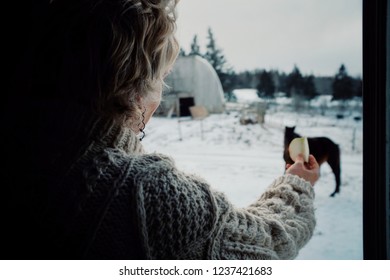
(376, 126)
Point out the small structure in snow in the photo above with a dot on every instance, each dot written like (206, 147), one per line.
(253, 108)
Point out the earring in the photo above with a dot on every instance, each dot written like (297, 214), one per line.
(142, 124)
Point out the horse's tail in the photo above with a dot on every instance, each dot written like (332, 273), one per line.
(334, 161)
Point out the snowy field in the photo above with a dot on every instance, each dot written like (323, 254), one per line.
(242, 160)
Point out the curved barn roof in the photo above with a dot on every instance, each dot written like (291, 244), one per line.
(195, 77)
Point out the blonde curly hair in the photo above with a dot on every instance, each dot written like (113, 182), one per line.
(114, 52)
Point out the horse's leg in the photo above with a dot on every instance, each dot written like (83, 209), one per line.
(334, 162)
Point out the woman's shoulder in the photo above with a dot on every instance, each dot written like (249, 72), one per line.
(118, 157)
(116, 161)
(156, 158)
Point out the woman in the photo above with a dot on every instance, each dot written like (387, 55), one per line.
(89, 190)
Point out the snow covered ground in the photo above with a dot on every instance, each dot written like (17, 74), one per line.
(242, 160)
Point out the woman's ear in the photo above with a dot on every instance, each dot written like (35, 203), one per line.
(140, 101)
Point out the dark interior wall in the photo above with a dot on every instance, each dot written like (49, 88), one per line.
(20, 31)
(376, 195)
(388, 127)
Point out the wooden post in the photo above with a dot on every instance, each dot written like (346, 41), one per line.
(199, 113)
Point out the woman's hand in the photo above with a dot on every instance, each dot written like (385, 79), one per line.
(309, 171)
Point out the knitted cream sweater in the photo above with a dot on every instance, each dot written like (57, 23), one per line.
(179, 216)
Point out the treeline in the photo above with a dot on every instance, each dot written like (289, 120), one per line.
(269, 83)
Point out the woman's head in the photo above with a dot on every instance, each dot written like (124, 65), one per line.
(110, 55)
(143, 50)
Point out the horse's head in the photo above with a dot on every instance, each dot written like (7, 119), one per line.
(289, 134)
(289, 130)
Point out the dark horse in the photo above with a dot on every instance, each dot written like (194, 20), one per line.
(322, 148)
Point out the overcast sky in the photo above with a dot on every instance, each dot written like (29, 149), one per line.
(316, 35)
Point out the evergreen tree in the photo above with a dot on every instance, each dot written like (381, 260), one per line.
(342, 85)
(244, 79)
(195, 48)
(182, 52)
(229, 82)
(309, 89)
(294, 83)
(218, 61)
(266, 85)
(214, 54)
(281, 85)
(359, 88)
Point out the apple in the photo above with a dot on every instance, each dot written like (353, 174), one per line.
(298, 146)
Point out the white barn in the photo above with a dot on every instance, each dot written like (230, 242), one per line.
(192, 82)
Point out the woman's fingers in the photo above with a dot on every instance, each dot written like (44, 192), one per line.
(308, 171)
(312, 164)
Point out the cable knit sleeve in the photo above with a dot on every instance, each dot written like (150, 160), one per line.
(276, 226)
(181, 217)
